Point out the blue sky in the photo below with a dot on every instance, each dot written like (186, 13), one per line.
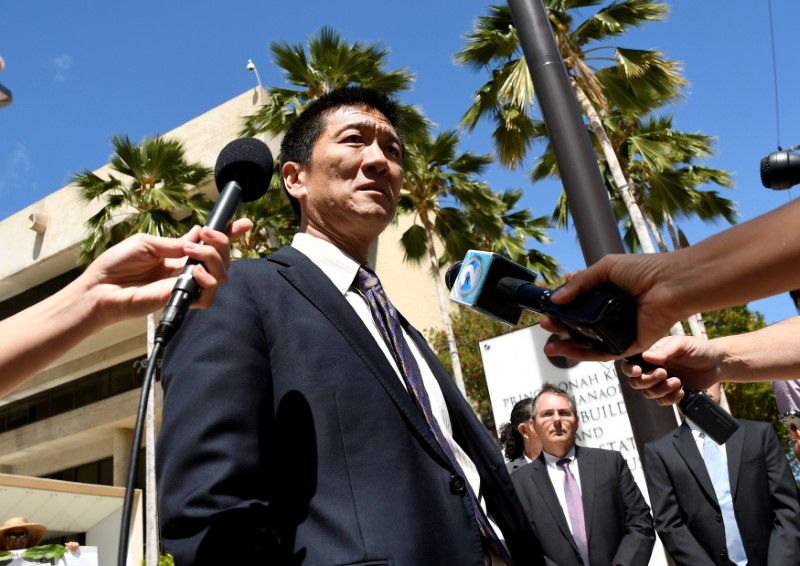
(83, 71)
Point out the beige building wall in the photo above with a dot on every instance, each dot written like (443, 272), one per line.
(40, 243)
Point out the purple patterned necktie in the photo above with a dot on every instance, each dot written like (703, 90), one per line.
(575, 507)
(388, 322)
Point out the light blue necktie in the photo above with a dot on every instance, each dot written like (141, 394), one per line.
(718, 471)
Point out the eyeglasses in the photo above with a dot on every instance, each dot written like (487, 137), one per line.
(16, 534)
(562, 413)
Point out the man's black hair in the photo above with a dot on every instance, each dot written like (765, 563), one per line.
(303, 133)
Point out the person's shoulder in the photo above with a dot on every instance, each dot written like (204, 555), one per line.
(245, 267)
(603, 454)
(522, 474)
(747, 423)
(760, 427)
(665, 440)
(516, 464)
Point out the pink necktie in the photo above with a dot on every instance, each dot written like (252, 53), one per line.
(575, 507)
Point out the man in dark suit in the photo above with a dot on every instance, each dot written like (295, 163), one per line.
(300, 429)
(688, 515)
(603, 521)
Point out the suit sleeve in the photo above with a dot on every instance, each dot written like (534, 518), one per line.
(212, 462)
(637, 545)
(674, 532)
(784, 543)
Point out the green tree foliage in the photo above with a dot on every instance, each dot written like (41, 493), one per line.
(150, 188)
(470, 328)
(754, 401)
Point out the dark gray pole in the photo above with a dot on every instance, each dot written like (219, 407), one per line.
(577, 163)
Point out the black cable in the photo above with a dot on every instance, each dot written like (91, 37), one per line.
(127, 507)
(774, 75)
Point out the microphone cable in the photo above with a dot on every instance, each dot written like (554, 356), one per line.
(242, 174)
(127, 507)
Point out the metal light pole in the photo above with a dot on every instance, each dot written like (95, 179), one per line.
(577, 164)
(252, 67)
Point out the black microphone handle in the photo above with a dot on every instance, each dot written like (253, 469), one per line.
(186, 288)
(706, 413)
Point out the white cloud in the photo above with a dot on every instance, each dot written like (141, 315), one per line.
(62, 64)
(17, 165)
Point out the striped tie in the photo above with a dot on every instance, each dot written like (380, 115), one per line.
(388, 322)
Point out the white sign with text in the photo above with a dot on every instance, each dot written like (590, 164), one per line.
(515, 367)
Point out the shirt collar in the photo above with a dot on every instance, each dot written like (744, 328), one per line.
(553, 460)
(696, 431)
(336, 264)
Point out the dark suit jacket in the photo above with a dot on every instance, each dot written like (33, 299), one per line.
(618, 522)
(685, 507)
(516, 463)
(288, 438)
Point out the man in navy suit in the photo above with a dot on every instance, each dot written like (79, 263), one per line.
(290, 434)
(688, 515)
(582, 502)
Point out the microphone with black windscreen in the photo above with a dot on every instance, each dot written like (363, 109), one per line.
(242, 174)
(603, 317)
(780, 170)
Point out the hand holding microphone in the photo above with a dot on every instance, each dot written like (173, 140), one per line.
(242, 173)
(604, 318)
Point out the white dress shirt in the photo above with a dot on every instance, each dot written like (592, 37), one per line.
(341, 269)
(699, 438)
(557, 474)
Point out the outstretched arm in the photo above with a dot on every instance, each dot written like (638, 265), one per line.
(768, 354)
(752, 260)
(131, 279)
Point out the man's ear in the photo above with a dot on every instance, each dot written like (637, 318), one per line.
(294, 178)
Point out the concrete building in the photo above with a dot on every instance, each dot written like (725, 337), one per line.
(74, 420)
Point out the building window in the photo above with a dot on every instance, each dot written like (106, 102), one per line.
(99, 472)
(78, 393)
(32, 296)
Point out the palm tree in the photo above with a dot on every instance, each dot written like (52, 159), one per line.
(636, 81)
(330, 63)
(434, 171)
(517, 228)
(274, 222)
(659, 165)
(151, 194)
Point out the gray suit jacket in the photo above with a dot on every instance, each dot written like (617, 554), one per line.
(687, 515)
(618, 522)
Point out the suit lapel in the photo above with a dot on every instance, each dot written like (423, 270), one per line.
(733, 450)
(541, 479)
(588, 472)
(314, 285)
(686, 447)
